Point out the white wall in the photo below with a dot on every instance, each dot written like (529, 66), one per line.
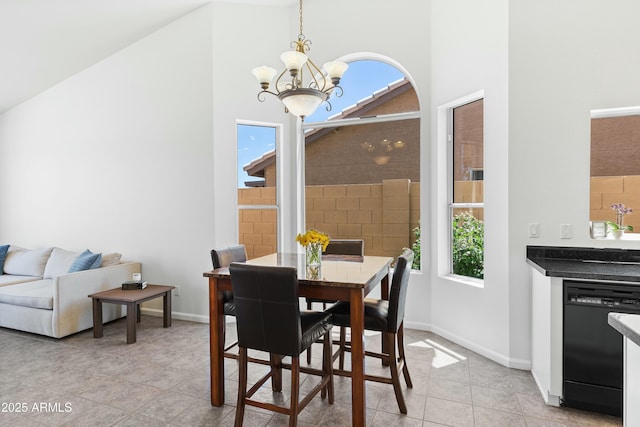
(565, 59)
(118, 158)
(470, 54)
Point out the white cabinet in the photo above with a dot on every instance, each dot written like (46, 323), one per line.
(629, 326)
(631, 404)
(546, 336)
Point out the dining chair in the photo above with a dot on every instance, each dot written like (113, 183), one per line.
(386, 317)
(337, 247)
(223, 257)
(345, 247)
(269, 319)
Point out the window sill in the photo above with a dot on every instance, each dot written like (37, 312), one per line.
(625, 237)
(470, 281)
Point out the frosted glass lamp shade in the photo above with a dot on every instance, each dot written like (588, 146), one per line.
(335, 69)
(302, 101)
(264, 75)
(293, 60)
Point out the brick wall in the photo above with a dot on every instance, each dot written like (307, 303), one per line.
(607, 190)
(615, 146)
(468, 139)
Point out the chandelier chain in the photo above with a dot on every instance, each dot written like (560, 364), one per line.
(300, 11)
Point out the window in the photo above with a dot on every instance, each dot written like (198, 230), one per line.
(257, 183)
(615, 169)
(466, 201)
(362, 162)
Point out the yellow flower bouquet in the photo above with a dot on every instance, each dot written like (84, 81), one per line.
(313, 236)
(314, 243)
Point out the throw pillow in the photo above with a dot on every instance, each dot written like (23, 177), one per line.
(3, 254)
(25, 262)
(86, 261)
(59, 262)
(110, 259)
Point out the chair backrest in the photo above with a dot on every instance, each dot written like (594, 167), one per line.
(398, 291)
(267, 308)
(345, 247)
(223, 257)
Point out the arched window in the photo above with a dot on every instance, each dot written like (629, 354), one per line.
(362, 161)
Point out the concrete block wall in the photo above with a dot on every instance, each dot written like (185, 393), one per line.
(257, 227)
(384, 215)
(607, 190)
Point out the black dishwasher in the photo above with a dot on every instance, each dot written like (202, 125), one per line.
(592, 350)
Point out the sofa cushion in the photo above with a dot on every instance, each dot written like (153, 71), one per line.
(3, 254)
(59, 262)
(8, 279)
(86, 261)
(36, 294)
(26, 262)
(110, 259)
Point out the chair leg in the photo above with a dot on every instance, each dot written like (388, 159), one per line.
(327, 365)
(405, 368)
(242, 386)
(295, 391)
(309, 307)
(395, 375)
(276, 371)
(343, 339)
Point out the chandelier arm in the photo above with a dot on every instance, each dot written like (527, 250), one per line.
(338, 91)
(261, 97)
(314, 70)
(277, 83)
(329, 107)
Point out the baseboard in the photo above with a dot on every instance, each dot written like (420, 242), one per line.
(417, 325)
(548, 398)
(483, 351)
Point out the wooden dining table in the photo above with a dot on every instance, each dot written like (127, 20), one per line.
(340, 278)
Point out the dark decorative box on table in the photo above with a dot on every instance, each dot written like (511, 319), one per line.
(134, 284)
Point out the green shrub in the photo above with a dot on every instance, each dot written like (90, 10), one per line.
(416, 248)
(468, 246)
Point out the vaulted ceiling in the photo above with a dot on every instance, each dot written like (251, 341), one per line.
(43, 42)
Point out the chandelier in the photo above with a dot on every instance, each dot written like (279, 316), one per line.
(301, 99)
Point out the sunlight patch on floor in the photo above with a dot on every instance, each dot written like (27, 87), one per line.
(442, 355)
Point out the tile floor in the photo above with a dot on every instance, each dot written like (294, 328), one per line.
(162, 380)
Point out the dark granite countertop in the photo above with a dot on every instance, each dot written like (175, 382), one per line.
(586, 263)
(627, 324)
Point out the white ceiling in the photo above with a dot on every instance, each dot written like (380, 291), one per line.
(42, 42)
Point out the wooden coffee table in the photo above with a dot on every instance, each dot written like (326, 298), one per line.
(132, 299)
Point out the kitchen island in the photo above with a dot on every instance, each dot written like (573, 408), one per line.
(629, 326)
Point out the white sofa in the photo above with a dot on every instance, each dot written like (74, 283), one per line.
(38, 294)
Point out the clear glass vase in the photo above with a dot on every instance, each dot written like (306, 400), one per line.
(313, 254)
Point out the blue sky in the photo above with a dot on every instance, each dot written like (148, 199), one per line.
(361, 79)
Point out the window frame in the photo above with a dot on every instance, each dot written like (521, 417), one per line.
(451, 205)
(278, 191)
